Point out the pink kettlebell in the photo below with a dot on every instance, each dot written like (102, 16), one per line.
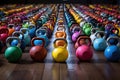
(84, 51)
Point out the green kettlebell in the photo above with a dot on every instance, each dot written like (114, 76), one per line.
(86, 25)
(13, 53)
(87, 29)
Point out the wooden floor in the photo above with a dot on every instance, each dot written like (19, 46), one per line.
(96, 69)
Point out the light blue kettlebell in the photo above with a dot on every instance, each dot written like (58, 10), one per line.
(99, 43)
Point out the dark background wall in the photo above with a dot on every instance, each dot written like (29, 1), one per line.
(61, 1)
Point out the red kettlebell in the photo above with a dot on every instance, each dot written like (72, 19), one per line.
(84, 51)
(38, 53)
(3, 34)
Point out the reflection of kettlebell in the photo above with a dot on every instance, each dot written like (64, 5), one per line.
(99, 43)
(38, 53)
(13, 53)
(112, 52)
(60, 52)
(84, 51)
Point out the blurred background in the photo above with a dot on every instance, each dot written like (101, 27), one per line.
(61, 1)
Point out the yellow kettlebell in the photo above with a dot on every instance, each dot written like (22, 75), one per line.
(60, 52)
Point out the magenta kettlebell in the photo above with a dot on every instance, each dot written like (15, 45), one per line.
(84, 51)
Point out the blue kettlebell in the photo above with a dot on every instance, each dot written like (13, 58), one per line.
(41, 33)
(99, 42)
(113, 32)
(20, 35)
(27, 38)
(112, 52)
(32, 29)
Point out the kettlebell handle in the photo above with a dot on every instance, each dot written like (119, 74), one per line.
(94, 29)
(100, 32)
(36, 38)
(76, 28)
(112, 37)
(9, 25)
(115, 29)
(16, 33)
(41, 29)
(84, 37)
(24, 30)
(9, 39)
(31, 25)
(61, 28)
(63, 39)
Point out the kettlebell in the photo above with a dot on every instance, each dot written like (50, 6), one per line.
(3, 34)
(32, 29)
(76, 35)
(20, 35)
(42, 33)
(27, 37)
(17, 27)
(112, 52)
(11, 29)
(87, 28)
(84, 51)
(113, 32)
(60, 33)
(93, 31)
(13, 53)
(49, 32)
(60, 52)
(25, 23)
(38, 53)
(99, 42)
